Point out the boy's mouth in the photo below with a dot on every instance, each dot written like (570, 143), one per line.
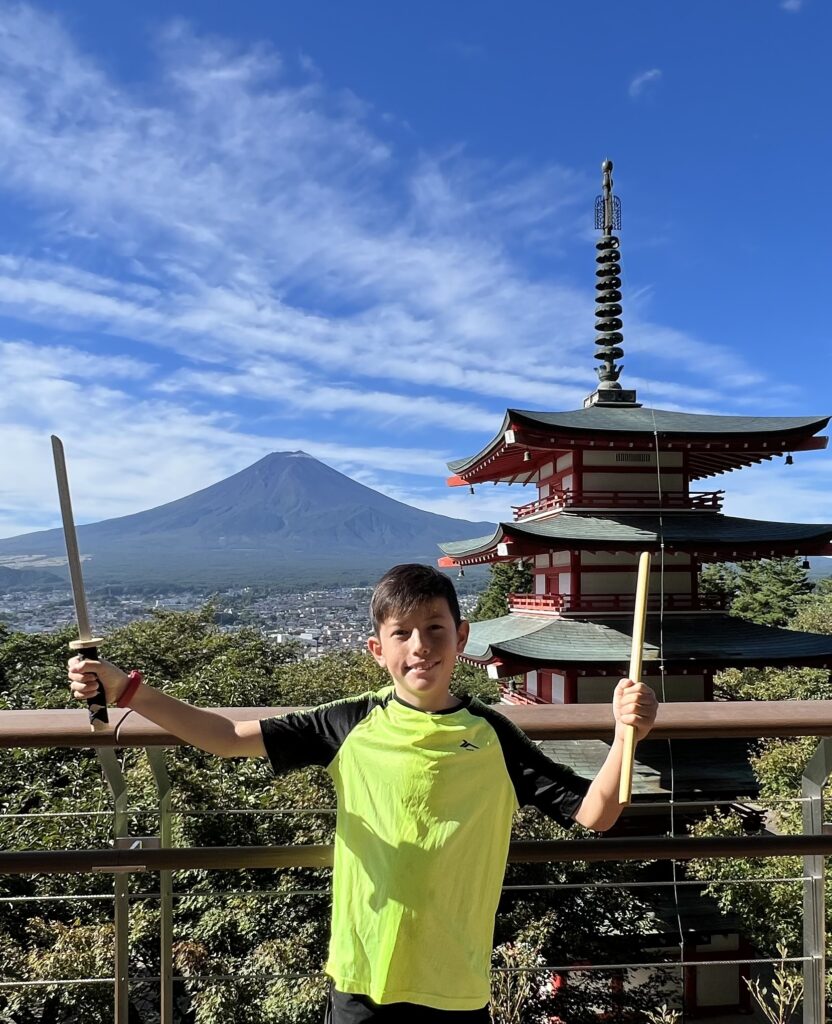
(423, 666)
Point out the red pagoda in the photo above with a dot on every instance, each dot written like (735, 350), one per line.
(615, 478)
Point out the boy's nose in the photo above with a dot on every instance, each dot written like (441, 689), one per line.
(419, 642)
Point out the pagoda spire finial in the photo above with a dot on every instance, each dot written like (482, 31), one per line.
(608, 322)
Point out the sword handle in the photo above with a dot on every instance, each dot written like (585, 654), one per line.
(97, 705)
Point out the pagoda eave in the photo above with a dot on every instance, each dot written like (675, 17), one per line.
(703, 535)
(527, 440)
(503, 666)
(698, 642)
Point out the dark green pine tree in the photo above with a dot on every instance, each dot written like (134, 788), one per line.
(717, 584)
(506, 578)
(770, 592)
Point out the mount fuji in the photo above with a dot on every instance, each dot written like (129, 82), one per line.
(288, 520)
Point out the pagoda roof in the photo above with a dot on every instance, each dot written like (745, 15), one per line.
(523, 642)
(645, 420)
(700, 767)
(686, 531)
(716, 443)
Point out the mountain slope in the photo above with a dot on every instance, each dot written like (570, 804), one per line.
(287, 514)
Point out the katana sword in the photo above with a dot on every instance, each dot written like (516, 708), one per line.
(86, 645)
(625, 786)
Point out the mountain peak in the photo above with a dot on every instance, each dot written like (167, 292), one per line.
(286, 514)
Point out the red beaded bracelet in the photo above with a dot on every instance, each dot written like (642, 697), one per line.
(134, 681)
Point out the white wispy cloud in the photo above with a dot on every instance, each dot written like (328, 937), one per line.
(792, 5)
(275, 382)
(642, 80)
(775, 491)
(242, 233)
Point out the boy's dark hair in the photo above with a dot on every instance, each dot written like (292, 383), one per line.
(404, 587)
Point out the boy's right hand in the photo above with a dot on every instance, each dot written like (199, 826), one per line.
(84, 676)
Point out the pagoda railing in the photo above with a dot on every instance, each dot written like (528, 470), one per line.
(709, 501)
(556, 603)
(680, 964)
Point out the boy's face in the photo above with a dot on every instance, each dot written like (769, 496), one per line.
(419, 651)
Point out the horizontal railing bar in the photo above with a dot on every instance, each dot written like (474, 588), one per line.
(683, 720)
(207, 811)
(663, 884)
(320, 856)
(665, 964)
(57, 981)
(668, 965)
(197, 812)
(69, 814)
(71, 898)
(538, 887)
(752, 805)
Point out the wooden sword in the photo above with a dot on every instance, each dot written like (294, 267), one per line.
(86, 645)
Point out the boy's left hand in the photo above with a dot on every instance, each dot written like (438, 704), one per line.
(634, 704)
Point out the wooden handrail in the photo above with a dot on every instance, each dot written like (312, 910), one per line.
(621, 500)
(613, 602)
(682, 720)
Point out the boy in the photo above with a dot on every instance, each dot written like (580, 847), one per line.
(427, 785)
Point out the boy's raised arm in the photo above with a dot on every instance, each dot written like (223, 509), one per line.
(196, 726)
(633, 704)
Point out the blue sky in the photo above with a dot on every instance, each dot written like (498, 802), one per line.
(365, 229)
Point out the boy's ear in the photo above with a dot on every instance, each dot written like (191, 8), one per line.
(374, 647)
(462, 631)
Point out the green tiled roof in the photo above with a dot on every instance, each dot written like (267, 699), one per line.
(691, 638)
(599, 419)
(700, 767)
(642, 420)
(636, 530)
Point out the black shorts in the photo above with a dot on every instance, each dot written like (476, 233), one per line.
(345, 1008)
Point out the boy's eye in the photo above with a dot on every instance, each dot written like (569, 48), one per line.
(399, 632)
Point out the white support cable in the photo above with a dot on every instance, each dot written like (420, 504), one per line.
(673, 863)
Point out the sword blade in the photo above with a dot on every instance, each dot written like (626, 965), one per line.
(72, 556)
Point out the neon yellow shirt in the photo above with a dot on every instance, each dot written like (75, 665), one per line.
(425, 804)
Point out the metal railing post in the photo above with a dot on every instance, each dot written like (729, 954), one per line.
(815, 775)
(156, 757)
(118, 789)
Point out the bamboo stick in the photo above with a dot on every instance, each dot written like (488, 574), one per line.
(625, 786)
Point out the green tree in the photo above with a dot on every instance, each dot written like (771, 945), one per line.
(770, 591)
(245, 924)
(718, 582)
(771, 910)
(505, 578)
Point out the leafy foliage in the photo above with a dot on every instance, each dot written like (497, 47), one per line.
(780, 1005)
(771, 591)
(265, 929)
(771, 911)
(504, 578)
(718, 580)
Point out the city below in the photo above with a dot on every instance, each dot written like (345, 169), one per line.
(323, 621)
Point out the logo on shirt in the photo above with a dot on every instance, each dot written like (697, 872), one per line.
(468, 746)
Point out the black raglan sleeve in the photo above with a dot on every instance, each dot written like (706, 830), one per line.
(538, 781)
(312, 737)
